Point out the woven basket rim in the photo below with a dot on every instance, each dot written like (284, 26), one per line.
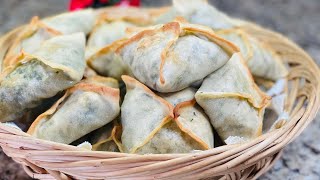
(20, 145)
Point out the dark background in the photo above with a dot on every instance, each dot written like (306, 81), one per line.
(297, 19)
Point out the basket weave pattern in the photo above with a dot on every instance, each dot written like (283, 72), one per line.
(48, 160)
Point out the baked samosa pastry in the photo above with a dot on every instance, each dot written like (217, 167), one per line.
(72, 22)
(106, 138)
(265, 63)
(88, 72)
(84, 108)
(107, 63)
(139, 16)
(29, 40)
(103, 41)
(262, 60)
(175, 98)
(112, 23)
(57, 65)
(233, 102)
(189, 116)
(170, 57)
(38, 31)
(105, 33)
(6, 42)
(240, 39)
(159, 131)
(198, 12)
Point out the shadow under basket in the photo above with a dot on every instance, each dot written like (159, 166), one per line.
(48, 160)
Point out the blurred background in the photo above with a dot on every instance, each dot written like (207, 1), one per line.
(297, 19)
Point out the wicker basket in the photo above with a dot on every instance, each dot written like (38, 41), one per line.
(48, 160)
